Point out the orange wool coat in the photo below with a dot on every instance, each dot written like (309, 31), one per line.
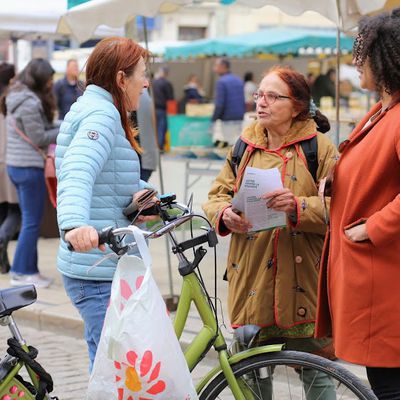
(359, 285)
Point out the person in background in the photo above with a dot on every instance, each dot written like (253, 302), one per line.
(359, 297)
(163, 91)
(324, 86)
(98, 174)
(192, 93)
(143, 119)
(30, 107)
(310, 80)
(229, 105)
(68, 89)
(249, 88)
(273, 274)
(10, 215)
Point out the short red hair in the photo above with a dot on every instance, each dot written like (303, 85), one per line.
(299, 91)
(300, 94)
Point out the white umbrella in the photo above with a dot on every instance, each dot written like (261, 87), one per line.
(344, 13)
(82, 20)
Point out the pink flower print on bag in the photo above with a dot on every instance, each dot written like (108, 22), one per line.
(144, 380)
(126, 290)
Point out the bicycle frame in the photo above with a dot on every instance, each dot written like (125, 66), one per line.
(209, 335)
(10, 377)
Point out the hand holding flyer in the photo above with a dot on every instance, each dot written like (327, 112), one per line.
(257, 182)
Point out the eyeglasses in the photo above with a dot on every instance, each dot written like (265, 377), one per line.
(269, 97)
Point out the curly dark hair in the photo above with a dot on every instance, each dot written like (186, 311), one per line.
(378, 41)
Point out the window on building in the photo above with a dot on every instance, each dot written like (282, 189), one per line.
(191, 32)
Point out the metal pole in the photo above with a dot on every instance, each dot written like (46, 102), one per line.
(337, 88)
(131, 30)
(167, 247)
(14, 41)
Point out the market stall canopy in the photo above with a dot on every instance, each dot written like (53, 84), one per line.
(82, 20)
(280, 41)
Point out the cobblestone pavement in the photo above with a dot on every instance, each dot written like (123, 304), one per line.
(65, 358)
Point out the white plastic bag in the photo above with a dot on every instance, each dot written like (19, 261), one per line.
(139, 356)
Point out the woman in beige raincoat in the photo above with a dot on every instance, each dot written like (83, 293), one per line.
(273, 274)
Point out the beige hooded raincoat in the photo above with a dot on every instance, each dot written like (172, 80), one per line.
(273, 275)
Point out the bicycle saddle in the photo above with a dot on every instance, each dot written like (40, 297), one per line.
(14, 298)
(247, 335)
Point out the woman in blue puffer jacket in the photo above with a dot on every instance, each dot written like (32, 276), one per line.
(98, 172)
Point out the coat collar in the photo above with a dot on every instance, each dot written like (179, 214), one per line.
(256, 135)
(360, 130)
(97, 90)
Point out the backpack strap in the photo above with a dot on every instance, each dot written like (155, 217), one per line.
(309, 147)
(310, 150)
(237, 155)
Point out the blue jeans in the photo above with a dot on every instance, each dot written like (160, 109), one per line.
(31, 189)
(91, 299)
(161, 116)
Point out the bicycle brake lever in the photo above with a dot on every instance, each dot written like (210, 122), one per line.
(106, 236)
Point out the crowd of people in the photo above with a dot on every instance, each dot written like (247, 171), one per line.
(326, 283)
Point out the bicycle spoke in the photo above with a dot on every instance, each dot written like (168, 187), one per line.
(288, 382)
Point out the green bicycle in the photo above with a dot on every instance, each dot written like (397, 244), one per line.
(20, 355)
(265, 372)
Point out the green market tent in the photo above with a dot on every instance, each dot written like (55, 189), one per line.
(277, 40)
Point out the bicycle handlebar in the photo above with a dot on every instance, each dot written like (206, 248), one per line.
(109, 235)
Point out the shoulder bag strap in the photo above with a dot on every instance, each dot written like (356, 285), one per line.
(27, 138)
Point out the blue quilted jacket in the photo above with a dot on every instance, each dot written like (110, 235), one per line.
(98, 172)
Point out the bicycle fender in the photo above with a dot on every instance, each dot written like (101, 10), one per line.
(234, 359)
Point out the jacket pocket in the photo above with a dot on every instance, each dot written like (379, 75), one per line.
(360, 221)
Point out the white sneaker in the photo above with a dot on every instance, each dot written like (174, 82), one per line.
(38, 280)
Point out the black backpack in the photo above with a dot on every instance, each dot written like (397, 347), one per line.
(309, 146)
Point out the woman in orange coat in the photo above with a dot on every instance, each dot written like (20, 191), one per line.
(360, 278)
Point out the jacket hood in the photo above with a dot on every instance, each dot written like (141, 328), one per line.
(19, 95)
(299, 131)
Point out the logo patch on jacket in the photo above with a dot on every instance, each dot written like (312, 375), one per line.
(93, 135)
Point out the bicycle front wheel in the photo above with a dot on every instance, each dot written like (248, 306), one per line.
(289, 375)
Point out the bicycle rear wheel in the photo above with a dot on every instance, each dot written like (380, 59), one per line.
(289, 375)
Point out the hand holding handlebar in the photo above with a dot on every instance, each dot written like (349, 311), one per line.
(84, 239)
